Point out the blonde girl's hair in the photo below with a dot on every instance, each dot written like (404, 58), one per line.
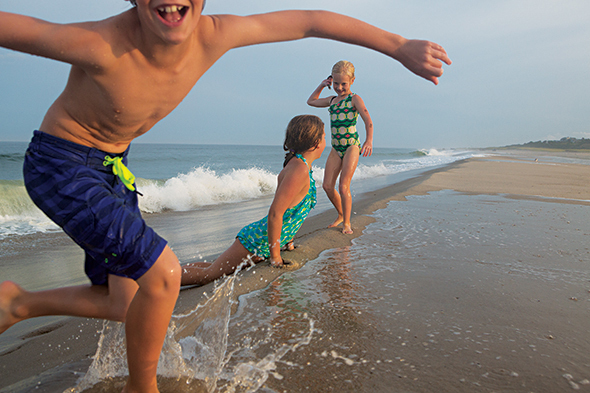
(344, 67)
(303, 132)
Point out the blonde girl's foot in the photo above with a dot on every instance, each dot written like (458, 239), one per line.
(347, 230)
(9, 291)
(336, 223)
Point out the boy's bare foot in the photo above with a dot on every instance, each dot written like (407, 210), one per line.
(336, 223)
(9, 291)
(347, 230)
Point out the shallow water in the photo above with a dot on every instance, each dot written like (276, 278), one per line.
(443, 289)
(444, 292)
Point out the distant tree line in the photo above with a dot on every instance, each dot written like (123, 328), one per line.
(563, 143)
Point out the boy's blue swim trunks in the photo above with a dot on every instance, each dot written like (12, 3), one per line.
(70, 184)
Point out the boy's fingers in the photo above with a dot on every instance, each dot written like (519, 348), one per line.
(440, 54)
(425, 59)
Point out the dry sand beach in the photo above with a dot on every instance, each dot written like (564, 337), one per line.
(498, 330)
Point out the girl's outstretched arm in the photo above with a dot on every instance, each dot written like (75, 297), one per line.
(359, 104)
(423, 58)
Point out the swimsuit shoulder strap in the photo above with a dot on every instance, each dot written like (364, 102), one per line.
(303, 159)
(300, 157)
(312, 190)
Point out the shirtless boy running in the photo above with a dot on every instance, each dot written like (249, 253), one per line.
(128, 72)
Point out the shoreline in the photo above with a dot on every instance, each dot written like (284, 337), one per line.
(74, 340)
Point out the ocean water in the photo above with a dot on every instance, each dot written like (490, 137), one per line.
(177, 178)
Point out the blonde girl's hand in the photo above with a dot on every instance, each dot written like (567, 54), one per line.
(367, 149)
(423, 58)
(327, 82)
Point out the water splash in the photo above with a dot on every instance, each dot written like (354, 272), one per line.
(249, 376)
(194, 357)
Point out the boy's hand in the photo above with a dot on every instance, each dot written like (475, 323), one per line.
(423, 58)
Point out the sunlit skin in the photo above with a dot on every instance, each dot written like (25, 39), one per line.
(342, 167)
(129, 72)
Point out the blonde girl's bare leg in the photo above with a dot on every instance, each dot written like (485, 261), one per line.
(147, 321)
(349, 163)
(199, 273)
(333, 167)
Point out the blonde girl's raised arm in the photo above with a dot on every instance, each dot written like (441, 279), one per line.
(315, 100)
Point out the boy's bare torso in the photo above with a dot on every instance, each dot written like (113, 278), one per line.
(125, 91)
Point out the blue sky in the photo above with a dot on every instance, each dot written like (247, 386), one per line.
(519, 73)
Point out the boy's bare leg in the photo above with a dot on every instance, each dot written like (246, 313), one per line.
(146, 311)
(333, 167)
(198, 274)
(147, 321)
(349, 163)
(90, 301)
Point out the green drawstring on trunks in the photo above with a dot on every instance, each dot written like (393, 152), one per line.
(119, 169)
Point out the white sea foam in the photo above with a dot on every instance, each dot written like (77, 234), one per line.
(430, 159)
(203, 187)
(18, 214)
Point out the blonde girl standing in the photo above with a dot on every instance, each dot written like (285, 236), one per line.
(344, 109)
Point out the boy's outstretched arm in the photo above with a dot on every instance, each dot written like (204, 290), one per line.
(81, 43)
(423, 58)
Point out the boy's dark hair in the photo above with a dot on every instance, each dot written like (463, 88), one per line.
(303, 132)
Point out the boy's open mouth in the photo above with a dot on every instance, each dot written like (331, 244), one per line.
(172, 13)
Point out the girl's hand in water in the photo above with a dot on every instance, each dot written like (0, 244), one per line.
(279, 262)
(276, 262)
(423, 58)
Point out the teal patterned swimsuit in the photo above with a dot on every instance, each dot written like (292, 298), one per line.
(254, 237)
(343, 117)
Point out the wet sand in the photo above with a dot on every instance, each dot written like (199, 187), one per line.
(55, 355)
